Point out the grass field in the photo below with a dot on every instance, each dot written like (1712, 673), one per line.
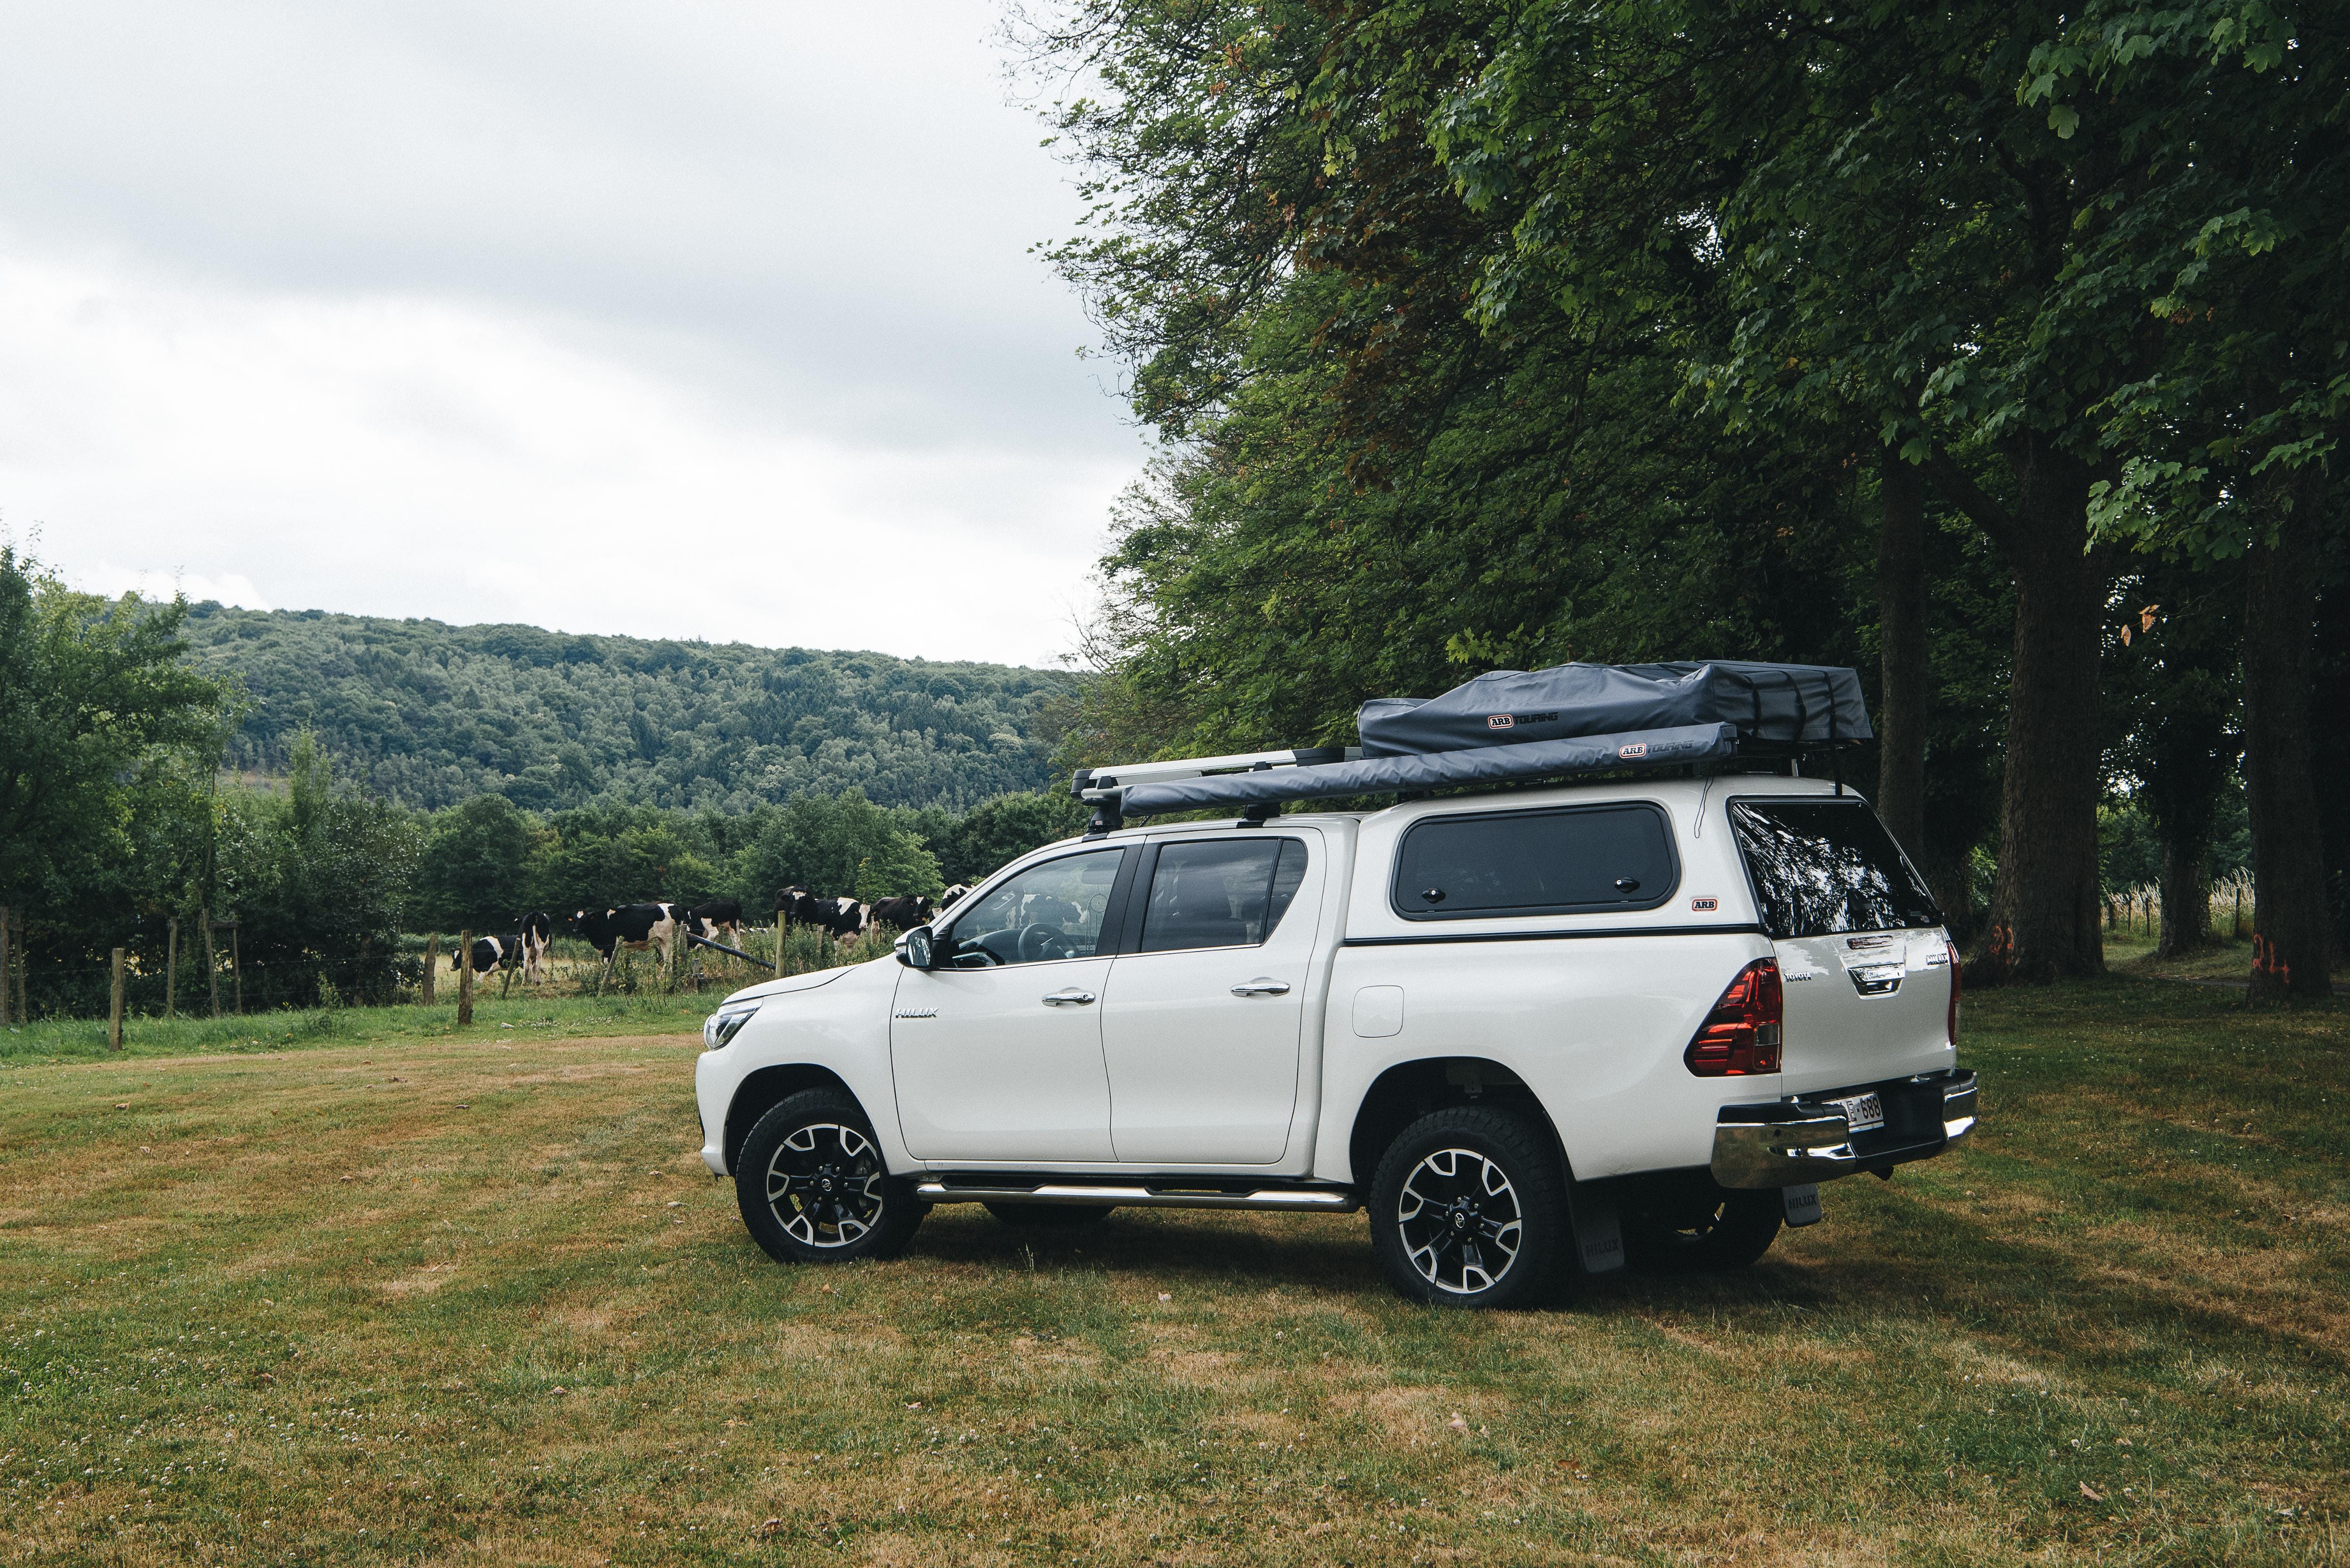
(431, 1297)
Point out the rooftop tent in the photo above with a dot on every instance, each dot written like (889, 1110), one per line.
(1780, 706)
(1470, 765)
(1515, 725)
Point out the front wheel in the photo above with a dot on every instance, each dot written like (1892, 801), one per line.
(812, 1188)
(1468, 1207)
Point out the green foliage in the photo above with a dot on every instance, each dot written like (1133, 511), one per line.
(318, 878)
(100, 721)
(477, 868)
(429, 715)
(840, 844)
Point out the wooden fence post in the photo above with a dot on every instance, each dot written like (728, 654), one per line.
(114, 1007)
(465, 977)
(235, 967)
(212, 957)
(4, 939)
(171, 971)
(779, 944)
(432, 963)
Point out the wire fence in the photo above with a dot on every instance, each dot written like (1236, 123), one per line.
(2137, 910)
(43, 982)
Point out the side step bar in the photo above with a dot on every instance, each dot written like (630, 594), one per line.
(1317, 1199)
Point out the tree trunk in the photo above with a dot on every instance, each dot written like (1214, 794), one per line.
(2044, 906)
(1905, 683)
(2292, 944)
(2185, 896)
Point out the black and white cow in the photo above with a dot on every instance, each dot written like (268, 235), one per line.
(634, 926)
(841, 918)
(489, 954)
(946, 898)
(708, 920)
(904, 913)
(536, 929)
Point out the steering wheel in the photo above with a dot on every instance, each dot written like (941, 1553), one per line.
(1039, 944)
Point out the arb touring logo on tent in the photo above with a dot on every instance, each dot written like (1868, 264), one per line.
(1500, 721)
(1636, 749)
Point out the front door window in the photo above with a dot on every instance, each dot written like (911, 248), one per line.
(1053, 911)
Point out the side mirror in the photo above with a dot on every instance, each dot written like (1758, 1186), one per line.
(914, 950)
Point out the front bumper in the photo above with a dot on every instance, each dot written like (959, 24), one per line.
(1787, 1143)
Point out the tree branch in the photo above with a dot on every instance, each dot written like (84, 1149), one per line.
(1960, 490)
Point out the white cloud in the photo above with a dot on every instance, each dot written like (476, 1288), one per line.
(113, 580)
(708, 320)
(397, 457)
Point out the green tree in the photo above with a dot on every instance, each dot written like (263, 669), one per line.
(477, 871)
(100, 713)
(840, 844)
(318, 876)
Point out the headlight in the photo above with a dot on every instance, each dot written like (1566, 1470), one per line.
(723, 1024)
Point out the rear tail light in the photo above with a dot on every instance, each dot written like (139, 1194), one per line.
(1954, 991)
(1742, 1033)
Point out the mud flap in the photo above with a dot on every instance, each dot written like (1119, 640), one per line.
(1598, 1234)
(1803, 1204)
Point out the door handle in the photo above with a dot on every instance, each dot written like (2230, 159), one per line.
(1262, 988)
(1072, 997)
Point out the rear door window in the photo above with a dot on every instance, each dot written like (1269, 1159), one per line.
(1222, 893)
(1824, 867)
(1568, 861)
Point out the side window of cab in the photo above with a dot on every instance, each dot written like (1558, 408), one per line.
(1052, 911)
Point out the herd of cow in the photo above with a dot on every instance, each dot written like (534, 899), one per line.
(640, 927)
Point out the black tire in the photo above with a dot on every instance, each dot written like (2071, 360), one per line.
(812, 1188)
(1459, 1188)
(1051, 1216)
(1718, 1231)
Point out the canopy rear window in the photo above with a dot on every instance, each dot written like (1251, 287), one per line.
(1568, 861)
(1824, 867)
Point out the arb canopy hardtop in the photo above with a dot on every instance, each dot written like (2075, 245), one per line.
(1515, 725)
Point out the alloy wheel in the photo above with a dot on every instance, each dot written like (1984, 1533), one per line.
(824, 1185)
(1460, 1221)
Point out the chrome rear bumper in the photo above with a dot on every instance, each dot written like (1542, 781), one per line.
(1787, 1143)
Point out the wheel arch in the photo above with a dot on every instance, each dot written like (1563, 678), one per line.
(1407, 1091)
(768, 1087)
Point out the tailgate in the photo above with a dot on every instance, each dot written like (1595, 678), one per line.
(1867, 966)
(1862, 1007)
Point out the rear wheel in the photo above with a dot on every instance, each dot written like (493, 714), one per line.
(1468, 1208)
(812, 1188)
(1050, 1216)
(1718, 1230)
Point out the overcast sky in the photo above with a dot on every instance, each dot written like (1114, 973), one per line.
(695, 319)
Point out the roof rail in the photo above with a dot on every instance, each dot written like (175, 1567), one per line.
(1092, 783)
(1104, 786)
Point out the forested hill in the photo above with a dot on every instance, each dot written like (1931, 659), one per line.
(429, 714)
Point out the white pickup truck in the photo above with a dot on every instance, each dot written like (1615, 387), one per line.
(1530, 1030)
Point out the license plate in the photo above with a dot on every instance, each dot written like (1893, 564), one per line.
(1865, 1112)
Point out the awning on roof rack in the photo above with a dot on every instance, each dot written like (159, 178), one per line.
(1798, 706)
(1438, 770)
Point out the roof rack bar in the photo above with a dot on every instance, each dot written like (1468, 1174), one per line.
(1094, 784)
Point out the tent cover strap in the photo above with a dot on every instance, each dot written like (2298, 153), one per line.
(1798, 706)
(1438, 770)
